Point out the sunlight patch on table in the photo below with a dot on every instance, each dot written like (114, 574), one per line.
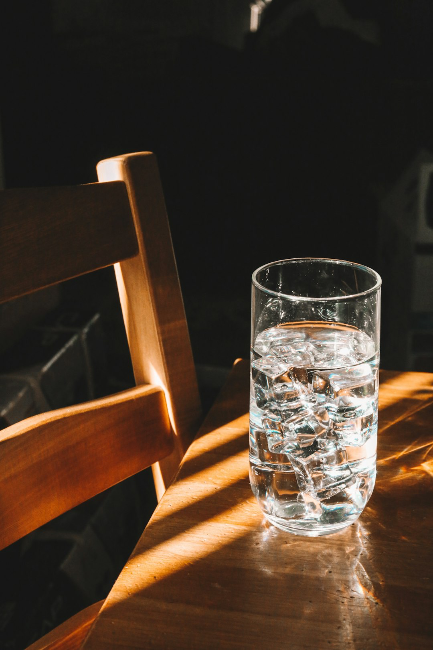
(206, 483)
(218, 437)
(426, 467)
(180, 552)
(407, 450)
(416, 380)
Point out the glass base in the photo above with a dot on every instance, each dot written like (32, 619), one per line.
(309, 528)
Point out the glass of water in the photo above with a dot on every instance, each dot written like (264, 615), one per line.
(314, 392)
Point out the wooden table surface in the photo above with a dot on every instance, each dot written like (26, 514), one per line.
(210, 572)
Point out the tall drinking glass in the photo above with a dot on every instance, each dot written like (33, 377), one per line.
(314, 391)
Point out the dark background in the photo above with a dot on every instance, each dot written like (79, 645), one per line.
(271, 144)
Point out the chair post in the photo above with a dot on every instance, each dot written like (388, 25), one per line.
(152, 305)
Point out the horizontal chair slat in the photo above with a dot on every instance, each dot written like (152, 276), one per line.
(41, 243)
(49, 464)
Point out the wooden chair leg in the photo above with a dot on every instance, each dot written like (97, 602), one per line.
(70, 634)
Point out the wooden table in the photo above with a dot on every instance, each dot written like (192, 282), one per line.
(210, 572)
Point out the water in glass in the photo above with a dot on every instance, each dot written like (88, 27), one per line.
(313, 425)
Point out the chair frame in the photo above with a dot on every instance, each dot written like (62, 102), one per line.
(44, 470)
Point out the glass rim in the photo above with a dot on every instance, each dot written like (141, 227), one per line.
(337, 262)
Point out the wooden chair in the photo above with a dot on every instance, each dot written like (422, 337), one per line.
(52, 462)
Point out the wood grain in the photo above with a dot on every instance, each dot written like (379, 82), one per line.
(54, 461)
(210, 572)
(70, 634)
(55, 233)
(152, 305)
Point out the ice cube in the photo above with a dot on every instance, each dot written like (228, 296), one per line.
(274, 433)
(363, 346)
(330, 334)
(356, 430)
(260, 395)
(272, 423)
(280, 438)
(274, 388)
(313, 507)
(359, 453)
(298, 353)
(359, 377)
(263, 371)
(282, 446)
(309, 425)
(337, 347)
(328, 358)
(322, 472)
(353, 386)
(265, 454)
(332, 352)
(321, 386)
(272, 426)
(281, 435)
(322, 415)
(269, 366)
(346, 388)
(302, 376)
(357, 493)
(286, 392)
(324, 360)
(276, 335)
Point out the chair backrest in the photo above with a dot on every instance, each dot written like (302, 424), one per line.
(53, 461)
